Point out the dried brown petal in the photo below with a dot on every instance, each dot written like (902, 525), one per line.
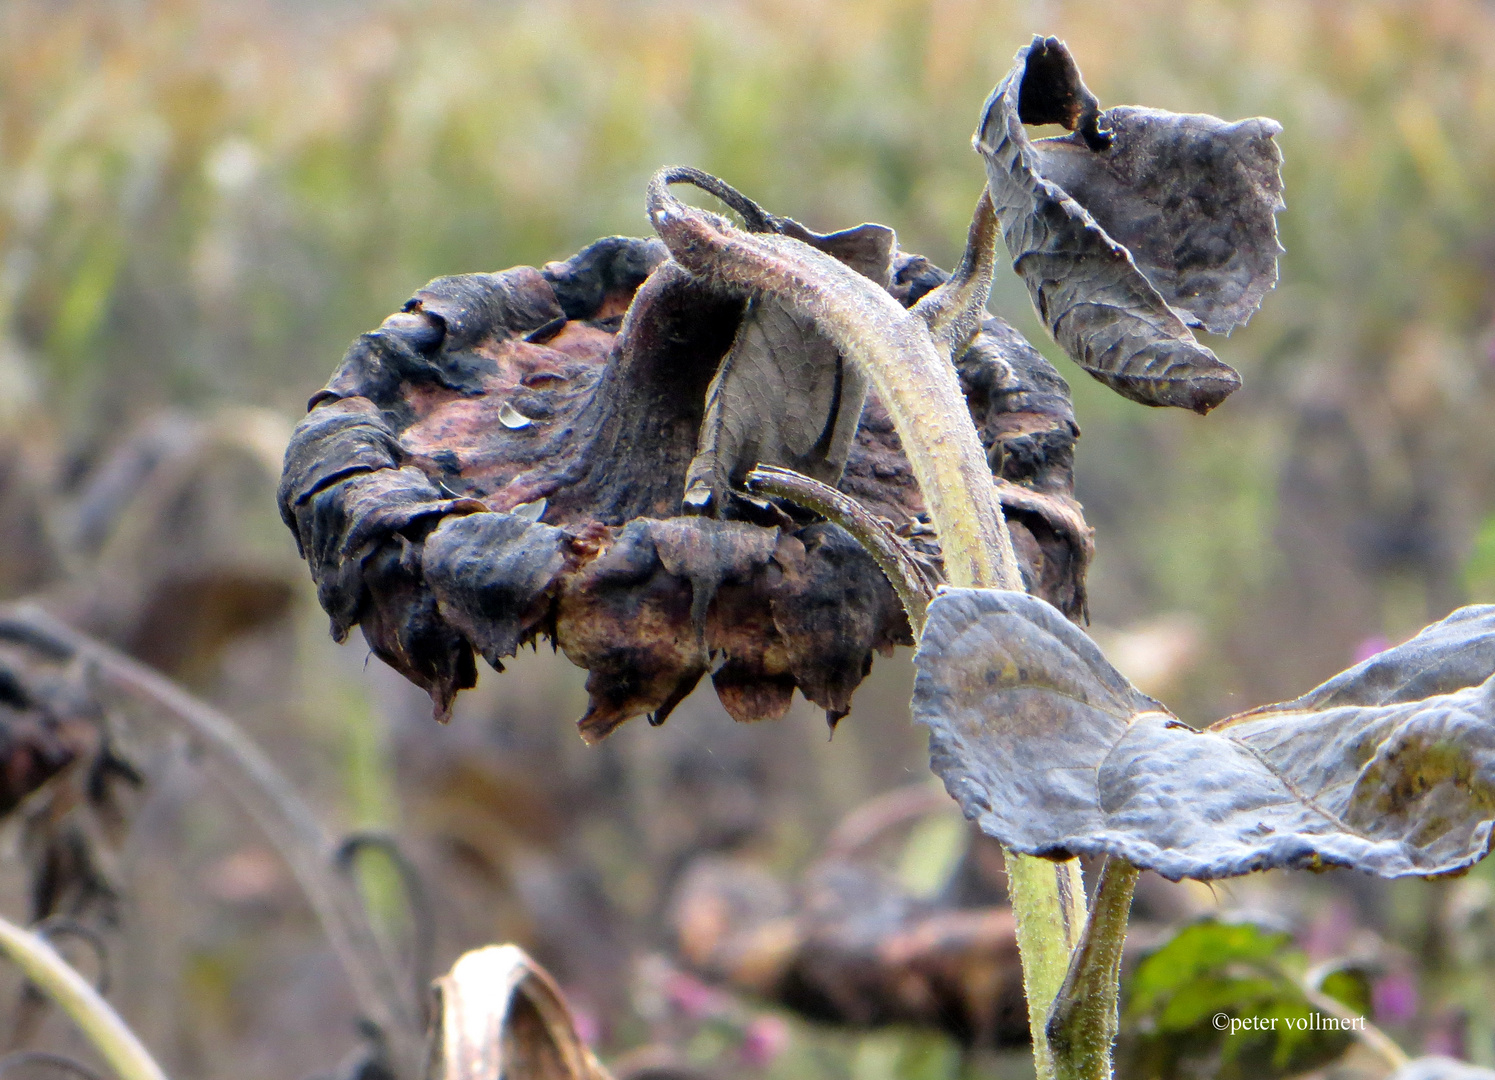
(492, 576)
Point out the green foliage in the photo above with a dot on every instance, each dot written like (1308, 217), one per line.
(1225, 1000)
(1479, 570)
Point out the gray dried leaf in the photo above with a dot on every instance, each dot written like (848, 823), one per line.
(1387, 768)
(1192, 198)
(1137, 225)
(784, 395)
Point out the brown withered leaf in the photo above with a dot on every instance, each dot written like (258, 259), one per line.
(1388, 767)
(506, 457)
(1134, 227)
(62, 774)
(499, 1014)
(35, 743)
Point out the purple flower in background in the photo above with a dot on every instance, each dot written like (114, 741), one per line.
(693, 998)
(764, 1040)
(1394, 998)
(1376, 643)
(588, 1026)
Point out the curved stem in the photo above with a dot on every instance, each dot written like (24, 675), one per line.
(1373, 1037)
(919, 388)
(892, 558)
(98, 1021)
(278, 809)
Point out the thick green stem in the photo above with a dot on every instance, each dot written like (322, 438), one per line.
(100, 1024)
(919, 388)
(1083, 1023)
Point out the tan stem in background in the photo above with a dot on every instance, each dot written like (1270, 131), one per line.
(96, 1019)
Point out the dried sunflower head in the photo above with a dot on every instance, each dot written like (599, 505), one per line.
(560, 452)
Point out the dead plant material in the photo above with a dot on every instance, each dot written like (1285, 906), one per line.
(560, 452)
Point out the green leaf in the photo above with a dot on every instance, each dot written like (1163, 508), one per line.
(1198, 950)
(1220, 1000)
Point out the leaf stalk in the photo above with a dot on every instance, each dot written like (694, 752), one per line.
(1084, 1020)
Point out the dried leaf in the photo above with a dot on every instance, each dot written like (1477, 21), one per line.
(784, 396)
(34, 741)
(1387, 768)
(1140, 223)
(500, 1015)
(62, 775)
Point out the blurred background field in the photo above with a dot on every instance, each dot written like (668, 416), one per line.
(201, 202)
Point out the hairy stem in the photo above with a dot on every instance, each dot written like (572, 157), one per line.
(892, 558)
(100, 1024)
(1083, 1022)
(918, 385)
(278, 809)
